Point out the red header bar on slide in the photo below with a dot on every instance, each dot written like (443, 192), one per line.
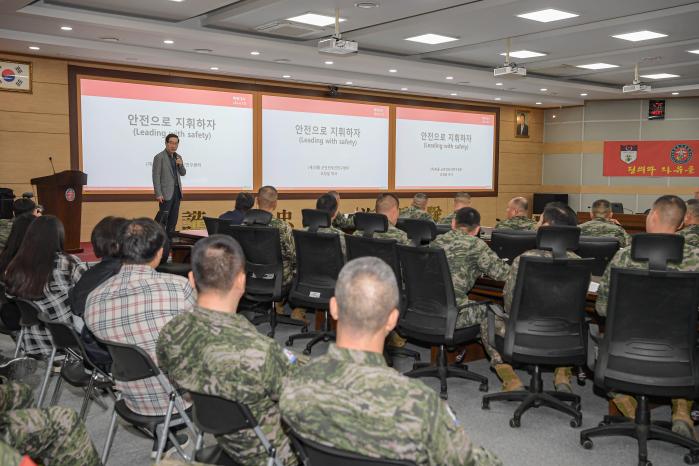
(325, 107)
(180, 95)
(469, 118)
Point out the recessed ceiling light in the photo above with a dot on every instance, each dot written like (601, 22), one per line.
(639, 36)
(498, 98)
(454, 94)
(349, 83)
(498, 84)
(524, 54)
(110, 39)
(393, 70)
(660, 76)
(675, 93)
(553, 116)
(431, 39)
(366, 5)
(693, 51)
(537, 103)
(547, 15)
(543, 89)
(314, 19)
(66, 28)
(168, 41)
(449, 78)
(177, 1)
(403, 88)
(329, 62)
(254, 52)
(597, 66)
(34, 47)
(286, 76)
(214, 68)
(584, 94)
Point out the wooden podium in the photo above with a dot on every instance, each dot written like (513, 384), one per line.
(61, 194)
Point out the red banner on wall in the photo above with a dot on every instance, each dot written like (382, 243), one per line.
(651, 158)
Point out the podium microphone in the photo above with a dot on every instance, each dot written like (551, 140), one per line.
(52, 167)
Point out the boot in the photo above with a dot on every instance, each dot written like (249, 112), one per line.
(626, 405)
(395, 340)
(561, 379)
(681, 420)
(510, 380)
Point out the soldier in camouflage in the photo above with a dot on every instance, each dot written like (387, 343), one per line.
(387, 204)
(216, 351)
(52, 435)
(267, 200)
(665, 216)
(461, 200)
(341, 221)
(418, 209)
(328, 203)
(341, 399)
(602, 224)
(469, 257)
(554, 214)
(691, 224)
(517, 213)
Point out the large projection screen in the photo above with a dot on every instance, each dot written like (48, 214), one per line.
(321, 144)
(123, 125)
(442, 150)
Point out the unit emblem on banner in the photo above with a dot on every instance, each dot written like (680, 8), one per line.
(628, 153)
(681, 153)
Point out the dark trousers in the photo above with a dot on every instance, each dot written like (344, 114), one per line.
(168, 213)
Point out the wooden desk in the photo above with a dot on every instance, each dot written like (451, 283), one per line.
(632, 223)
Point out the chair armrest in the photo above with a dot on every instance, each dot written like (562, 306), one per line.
(493, 311)
(593, 340)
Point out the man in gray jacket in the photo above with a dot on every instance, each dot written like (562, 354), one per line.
(167, 169)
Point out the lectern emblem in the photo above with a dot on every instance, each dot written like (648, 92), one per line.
(70, 194)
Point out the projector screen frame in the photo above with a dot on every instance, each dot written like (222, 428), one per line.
(257, 88)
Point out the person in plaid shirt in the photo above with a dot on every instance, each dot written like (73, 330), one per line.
(135, 304)
(42, 273)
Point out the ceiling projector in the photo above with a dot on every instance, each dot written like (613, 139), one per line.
(635, 87)
(510, 70)
(338, 46)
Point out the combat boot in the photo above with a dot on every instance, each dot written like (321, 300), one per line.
(561, 379)
(510, 380)
(681, 420)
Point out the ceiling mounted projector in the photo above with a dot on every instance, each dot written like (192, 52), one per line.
(509, 70)
(336, 44)
(636, 85)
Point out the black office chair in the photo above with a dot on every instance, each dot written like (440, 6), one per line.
(257, 217)
(212, 224)
(312, 453)
(175, 268)
(318, 262)
(85, 374)
(546, 324)
(430, 313)
(131, 363)
(9, 319)
(420, 232)
(508, 244)
(443, 228)
(601, 249)
(649, 348)
(29, 317)
(219, 416)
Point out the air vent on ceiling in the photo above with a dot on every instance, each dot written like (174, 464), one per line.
(289, 29)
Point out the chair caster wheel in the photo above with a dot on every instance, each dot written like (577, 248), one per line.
(485, 404)
(587, 444)
(691, 458)
(644, 463)
(304, 329)
(576, 422)
(326, 339)
(307, 351)
(443, 395)
(602, 424)
(514, 422)
(289, 342)
(483, 387)
(577, 406)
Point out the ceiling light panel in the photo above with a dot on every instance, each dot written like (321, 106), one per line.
(548, 15)
(431, 39)
(525, 54)
(639, 36)
(660, 76)
(598, 66)
(315, 19)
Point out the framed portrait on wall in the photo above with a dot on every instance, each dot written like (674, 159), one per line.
(15, 76)
(521, 123)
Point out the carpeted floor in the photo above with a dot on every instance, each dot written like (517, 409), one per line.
(544, 438)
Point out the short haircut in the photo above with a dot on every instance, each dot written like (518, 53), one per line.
(327, 203)
(467, 217)
(140, 240)
(216, 261)
(366, 292)
(420, 199)
(558, 213)
(385, 202)
(601, 208)
(105, 236)
(520, 203)
(244, 201)
(335, 194)
(462, 198)
(671, 210)
(170, 136)
(267, 196)
(22, 206)
(693, 208)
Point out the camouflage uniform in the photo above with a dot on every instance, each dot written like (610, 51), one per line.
(288, 249)
(336, 231)
(223, 354)
(343, 221)
(391, 233)
(52, 435)
(691, 235)
(414, 212)
(469, 258)
(5, 228)
(446, 220)
(508, 294)
(352, 401)
(517, 223)
(602, 227)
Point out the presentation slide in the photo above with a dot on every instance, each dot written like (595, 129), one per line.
(123, 126)
(438, 150)
(312, 144)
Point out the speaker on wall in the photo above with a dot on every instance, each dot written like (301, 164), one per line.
(541, 199)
